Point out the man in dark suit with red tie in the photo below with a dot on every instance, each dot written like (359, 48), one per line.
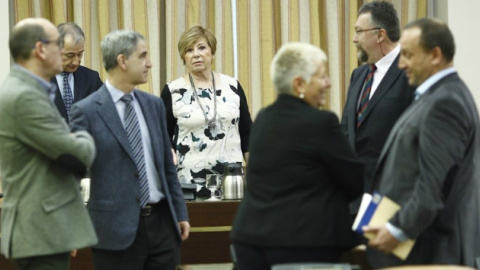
(379, 91)
(75, 82)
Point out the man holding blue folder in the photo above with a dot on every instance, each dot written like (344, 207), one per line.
(430, 164)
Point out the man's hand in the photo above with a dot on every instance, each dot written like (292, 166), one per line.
(184, 229)
(383, 241)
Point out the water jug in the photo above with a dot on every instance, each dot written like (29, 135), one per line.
(232, 182)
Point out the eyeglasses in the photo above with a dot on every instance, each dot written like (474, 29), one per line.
(54, 41)
(358, 32)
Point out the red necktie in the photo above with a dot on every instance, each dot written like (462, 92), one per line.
(367, 87)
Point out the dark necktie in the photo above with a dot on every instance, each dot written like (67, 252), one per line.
(367, 87)
(135, 139)
(67, 93)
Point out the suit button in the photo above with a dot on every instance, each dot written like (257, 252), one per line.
(137, 199)
(136, 175)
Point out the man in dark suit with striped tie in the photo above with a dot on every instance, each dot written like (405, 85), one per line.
(75, 82)
(136, 202)
(379, 91)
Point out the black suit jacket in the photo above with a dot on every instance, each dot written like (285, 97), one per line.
(85, 82)
(430, 165)
(301, 175)
(390, 99)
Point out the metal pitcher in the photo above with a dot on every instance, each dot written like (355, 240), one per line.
(232, 182)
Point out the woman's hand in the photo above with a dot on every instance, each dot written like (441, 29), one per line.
(175, 160)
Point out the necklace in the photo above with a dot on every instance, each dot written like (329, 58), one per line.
(210, 123)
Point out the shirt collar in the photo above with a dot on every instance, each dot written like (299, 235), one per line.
(116, 94)
(45, 84)
(60, 75)
(425, 86)
(384, 64)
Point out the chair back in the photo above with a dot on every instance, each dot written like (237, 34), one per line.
(314, 266)
(429, 267)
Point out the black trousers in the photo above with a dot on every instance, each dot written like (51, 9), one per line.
(48, 262)
(260, 258)
(156, 246)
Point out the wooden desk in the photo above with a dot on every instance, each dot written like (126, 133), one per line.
(208, 242)
(209, 239)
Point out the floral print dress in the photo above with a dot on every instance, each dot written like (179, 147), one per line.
(202, 149)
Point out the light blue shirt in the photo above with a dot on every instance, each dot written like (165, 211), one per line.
(154, 187)
(398, 233)
(425, 86)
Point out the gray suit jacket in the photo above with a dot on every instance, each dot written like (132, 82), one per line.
(430, 165)
(114, 196)
(42, 212)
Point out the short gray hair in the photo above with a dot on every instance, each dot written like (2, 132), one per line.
(118, 42)
(71, 29)
(292, 60)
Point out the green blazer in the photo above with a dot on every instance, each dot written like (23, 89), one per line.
(42, 211)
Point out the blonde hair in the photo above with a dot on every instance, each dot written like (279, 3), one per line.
(191, 35)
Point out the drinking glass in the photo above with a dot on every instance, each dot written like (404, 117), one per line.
(213, 183)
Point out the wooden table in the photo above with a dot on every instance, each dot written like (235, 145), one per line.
(208, 242)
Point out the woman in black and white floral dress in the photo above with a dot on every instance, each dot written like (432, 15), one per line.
(207, 112)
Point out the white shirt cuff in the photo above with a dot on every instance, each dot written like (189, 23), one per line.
(398, 233)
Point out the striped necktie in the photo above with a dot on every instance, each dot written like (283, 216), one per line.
(367, 87)
(135, 138)
(67, 93)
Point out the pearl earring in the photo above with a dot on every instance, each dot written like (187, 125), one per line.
(301, 95)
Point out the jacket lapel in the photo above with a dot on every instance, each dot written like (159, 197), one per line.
(108, 113)
(78, 85)
(408, 114)
(58, 98)
(352, 108)
(384, 86)
(150, 114)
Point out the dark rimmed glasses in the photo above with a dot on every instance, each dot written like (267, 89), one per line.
(359, 31)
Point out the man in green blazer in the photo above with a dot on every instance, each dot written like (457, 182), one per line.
(43, 215)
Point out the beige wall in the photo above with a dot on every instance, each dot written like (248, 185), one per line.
(4, 52)
(464, 22)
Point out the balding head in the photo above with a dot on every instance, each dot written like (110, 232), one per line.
(25, 34)
(34, 43)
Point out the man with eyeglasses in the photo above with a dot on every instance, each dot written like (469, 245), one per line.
(43, 215)
(379, 91)
(75, 82)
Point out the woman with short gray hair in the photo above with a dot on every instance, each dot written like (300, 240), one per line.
(301, 174)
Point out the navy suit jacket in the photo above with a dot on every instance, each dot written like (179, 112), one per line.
(390, 99)
(114, 193)
(85, 82)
